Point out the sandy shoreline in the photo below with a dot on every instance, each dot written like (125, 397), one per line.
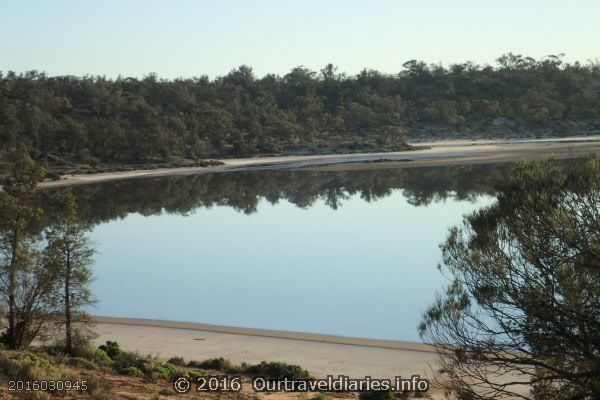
(322, 355)
(440, 153)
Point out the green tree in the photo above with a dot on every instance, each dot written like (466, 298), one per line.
(522, 316)
(69, 254)
(24, 282)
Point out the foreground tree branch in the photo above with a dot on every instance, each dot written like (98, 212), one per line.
(521, 318)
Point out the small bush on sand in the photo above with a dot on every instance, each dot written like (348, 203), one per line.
(155, 369)
(26, 366)
(276, 370)
(80, 362)
(112, 349)
(217, 364)
(178, 361)
(99, 357)
(194, 373)
(126, 359)
(150, 367)
(132, 371)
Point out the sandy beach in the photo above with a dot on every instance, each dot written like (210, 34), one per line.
(322, 355)
(439, 153)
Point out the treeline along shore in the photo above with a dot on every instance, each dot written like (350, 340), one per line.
(96, 121)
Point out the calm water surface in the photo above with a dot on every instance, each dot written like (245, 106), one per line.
(347, 253)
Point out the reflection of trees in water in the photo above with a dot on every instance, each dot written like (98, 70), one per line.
(243, 190)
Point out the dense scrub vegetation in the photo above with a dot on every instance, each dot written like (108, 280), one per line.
(92, 371)
(126, 120)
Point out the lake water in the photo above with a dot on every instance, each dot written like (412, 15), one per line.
(347, 253)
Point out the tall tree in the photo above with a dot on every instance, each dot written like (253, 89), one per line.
(69, 253)
(24, 282)
(522, 316)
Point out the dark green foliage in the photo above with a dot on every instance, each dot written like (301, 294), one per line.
(178, 361)
(25, 366)
(94, 120)
(217, 364)
(126, 359)
(525, 296)
(128, 363)
(276, 370)
(69, 253)
(81, 362)
(269, 370)
(132, 371)
(111, 349)
(26, 286)
(98, 356)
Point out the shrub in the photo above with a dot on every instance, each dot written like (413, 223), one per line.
(155, 369)
(99, 357)
(158, 370)
(171, 368)
(26, 366)
(193, 373)
(277, 370)
(132, 371)
(80, 362)
(34, 359)
(178, 361)
(218, 364)
(112, 349)
(126, 359)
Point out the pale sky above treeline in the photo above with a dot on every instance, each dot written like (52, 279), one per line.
(187, 38)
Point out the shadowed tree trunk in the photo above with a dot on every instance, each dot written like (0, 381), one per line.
(69, 336)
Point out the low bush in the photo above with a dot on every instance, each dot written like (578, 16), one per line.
(99, 357)
(34, 359)
(80, 362)
(178, 361)
(112, 349)
(156, 369)
(150, 367)
(126, 359)
(194, 373)
(26, 366)
(132, 371)
(276, 370)
(217, 364)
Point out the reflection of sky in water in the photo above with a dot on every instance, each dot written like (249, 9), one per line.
(364, 270)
